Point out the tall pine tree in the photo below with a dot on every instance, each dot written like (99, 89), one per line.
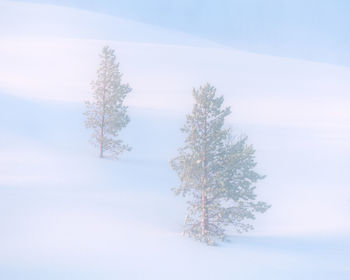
(106, 115)
(215, 172)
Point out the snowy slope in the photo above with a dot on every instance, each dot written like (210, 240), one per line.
(66, 214)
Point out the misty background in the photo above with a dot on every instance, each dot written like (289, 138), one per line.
(282, 66)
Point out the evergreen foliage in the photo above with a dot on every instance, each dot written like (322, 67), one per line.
(216, 172)
(106, 115)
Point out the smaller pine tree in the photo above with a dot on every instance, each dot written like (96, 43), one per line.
(216, 172)
(106, 115)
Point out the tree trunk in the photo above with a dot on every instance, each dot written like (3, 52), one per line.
(101, 150)
(204, 222)
(204, 186)
(101, 134)
(103, 109)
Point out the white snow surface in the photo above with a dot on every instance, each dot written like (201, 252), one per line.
(66, 214)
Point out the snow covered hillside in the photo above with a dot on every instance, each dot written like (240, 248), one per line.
(67, 214)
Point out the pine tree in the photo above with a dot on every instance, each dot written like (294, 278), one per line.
(215, 172)
(106, 115)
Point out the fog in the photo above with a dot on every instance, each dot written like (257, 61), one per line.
(66, 214)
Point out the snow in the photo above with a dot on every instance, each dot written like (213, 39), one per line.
(66, 214)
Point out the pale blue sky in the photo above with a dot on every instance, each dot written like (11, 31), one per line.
(314, 30)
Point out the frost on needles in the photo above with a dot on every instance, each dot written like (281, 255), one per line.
(106, 114)
(216, 172)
